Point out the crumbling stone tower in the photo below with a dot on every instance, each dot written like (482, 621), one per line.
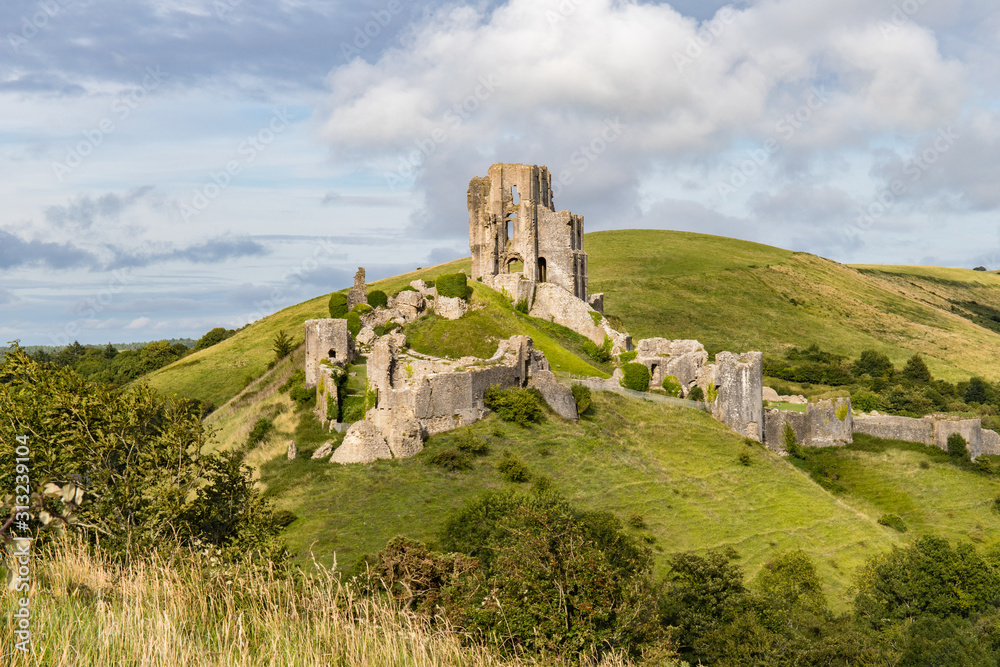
(514, 230)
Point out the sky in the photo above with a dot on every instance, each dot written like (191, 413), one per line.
(169, 166)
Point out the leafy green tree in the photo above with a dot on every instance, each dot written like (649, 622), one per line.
(213, 337)
(873, 363)
(635, 377)
(282, 345)
(127, 463)
(916, 370)
(978, 391)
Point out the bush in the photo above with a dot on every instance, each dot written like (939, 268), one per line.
(454, 285)
(352, 409)
(790, 440)
(468, 442)
(522, 306)
(977, 391)
(301, 395)
(450, 459)
(512, 468)
(599, 354)
(581, 394)
(672, 386)
(864, 400)
(361, 309)
(635, 377)
(338, 305)
(213, 337)
(259, 431)
(626, 357)
(354, 323)
(378, 299)
(386, 328)
(696, 394)
(957, 446)
(745, 456)
(521, 406)
(873, 363)
(893, 521)
(916, 370)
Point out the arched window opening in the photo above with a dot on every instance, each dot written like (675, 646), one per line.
(541, 270)
(332, 354)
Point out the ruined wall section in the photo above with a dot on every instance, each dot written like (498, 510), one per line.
(824, 424)
(740, 402)
(929, 430)
(326, 340)
(684, 359)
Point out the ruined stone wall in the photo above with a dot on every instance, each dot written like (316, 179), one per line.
(991, 442)
(327, 398)
(326, 339)
(824, 424)
(512, 218)
(684, 359)
(927, 430)
(740, 402)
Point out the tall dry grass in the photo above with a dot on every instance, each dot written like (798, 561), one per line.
(157, 611)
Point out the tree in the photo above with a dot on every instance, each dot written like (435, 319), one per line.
(635, 376)
(338, 305)
(916, 370)
(873, 363)
(977, 391)
(282, 346)
(213, 337)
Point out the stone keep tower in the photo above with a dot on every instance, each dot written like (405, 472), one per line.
(514, 230)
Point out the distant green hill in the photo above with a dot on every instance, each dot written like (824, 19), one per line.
(736, 295)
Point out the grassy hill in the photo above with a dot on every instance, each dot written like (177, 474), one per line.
(735, 295)
(675, 469)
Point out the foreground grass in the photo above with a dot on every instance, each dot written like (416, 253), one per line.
(89, 612)
(676, 468)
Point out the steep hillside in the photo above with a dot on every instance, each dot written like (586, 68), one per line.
(736, 295)
(675, 469)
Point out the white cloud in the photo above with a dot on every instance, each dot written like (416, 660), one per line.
(139, 323)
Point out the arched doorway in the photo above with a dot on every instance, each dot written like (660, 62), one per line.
(541, 270)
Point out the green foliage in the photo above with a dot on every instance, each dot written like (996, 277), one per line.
(450, 459)
(947, 642)
(672, 386)
(332, 407)
(386, 328)
(468, 442)
(261, 428)
(745, 456)
(338, 305)
(596, 317)
(213, 337)
(873, 363)
(361, 308)
(454, 285)
(352, 409)
(600, 354)
(893, 521)
(582, 397)
(864, 400)
(512, 469)
(791, 441)
(712, 393)
(916, 370)
(696, 394)
(842, 412)
(521, 306)
(556, 580)
(378, 299)
(134, 461)
(928, 578)
(519, 405)
(635, 377)
(978, 391)
(282, 345)
(626, 357)
(958, 447)
(354, 323)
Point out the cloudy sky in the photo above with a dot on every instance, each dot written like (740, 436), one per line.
(168, 166)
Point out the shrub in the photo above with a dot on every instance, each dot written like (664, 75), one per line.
(338, 305)
(636, 521)
(386, 328)
(378, 299)
(712, 393)
(361, 309)
(519, 405)
(352, 409)
(467, 441)
(596, 317)
(454, 285)
(672, 386)
(581, 394)
(635, 377)
(977, 391)
(259, 431)
(512, 468)
(301, 395)
(864, 400)
(450, 459)
(957, 446)
(916, 370)
(696, 394)
(893, 521)
(626, 357)
(213, 337)
(842, 412)
(522, 306)
(745, 457)
(600, 354)
(790, 441)
(354, 323)
(542, 484)
(283, 518)
(873, 363)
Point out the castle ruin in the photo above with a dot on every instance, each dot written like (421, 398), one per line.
(516, 235)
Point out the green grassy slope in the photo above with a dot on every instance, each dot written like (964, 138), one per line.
(675, 467)
(735, 295)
